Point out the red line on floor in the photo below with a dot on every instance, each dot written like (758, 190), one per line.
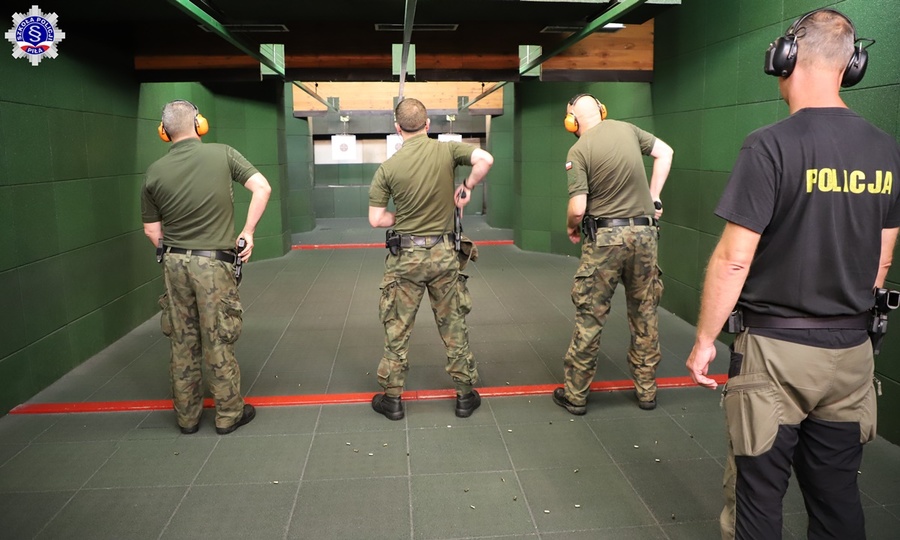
(381, 245)
(333, 399)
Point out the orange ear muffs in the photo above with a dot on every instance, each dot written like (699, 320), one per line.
(571, 122)
(162, 133)
(201, 125)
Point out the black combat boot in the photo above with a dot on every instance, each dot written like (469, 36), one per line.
(559, 397)
(466, 405)
(390, 407)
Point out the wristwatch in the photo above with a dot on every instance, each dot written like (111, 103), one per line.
(657, 204)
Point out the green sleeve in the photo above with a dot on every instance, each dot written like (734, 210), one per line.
(576, 173)
(646, 140)
(241, 169)
(379, 192)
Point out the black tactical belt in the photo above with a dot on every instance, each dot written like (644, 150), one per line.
(848, 322)
(625, 222)
(411, 240)
(219, 255)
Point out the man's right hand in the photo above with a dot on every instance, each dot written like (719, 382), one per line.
(698, 365)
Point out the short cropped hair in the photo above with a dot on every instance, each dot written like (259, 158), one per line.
(825, 41)
(411, 115)
(178, 117)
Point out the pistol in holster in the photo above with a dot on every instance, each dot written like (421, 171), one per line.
(159, 251)
(589, 227)
(457, 230)
(392, 242)
(735, 322)
(885, 302)
(238, 262)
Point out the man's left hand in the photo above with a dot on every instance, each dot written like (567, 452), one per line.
(248, 249)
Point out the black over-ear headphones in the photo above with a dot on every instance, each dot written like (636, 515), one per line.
(571, 122)
(781, 56)
(201, 124)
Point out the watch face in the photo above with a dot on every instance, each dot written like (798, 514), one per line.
(657, 205)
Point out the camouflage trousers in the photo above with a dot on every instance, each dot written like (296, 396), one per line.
(626, 254)
(202, 316)
(406, 278)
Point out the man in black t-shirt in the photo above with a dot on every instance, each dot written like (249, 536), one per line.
(812, 218)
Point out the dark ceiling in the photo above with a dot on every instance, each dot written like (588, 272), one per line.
(335, 40)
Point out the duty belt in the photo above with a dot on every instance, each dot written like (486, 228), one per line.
(218, 254)
(849, 322)
(625, 222)
(411, 240)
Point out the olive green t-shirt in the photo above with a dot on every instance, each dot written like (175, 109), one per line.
(420, 179)
(190, 191)
(606, 164)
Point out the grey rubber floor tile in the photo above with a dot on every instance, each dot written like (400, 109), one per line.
(562, 444)
(624, 533)
(362, 454)
(691, 490)
(233, 512)
(881, 460)
(373, 509)
(707, 429)
(356, 417)
(468, 505)
(643, 440)
(153, 463)
(24, 514)
(439, 413)
(278, 421)
(54, 466)
(237, 460)
(605, 499)
(112, 426)
(458, 449)
(696, 530)
(515, 372)
(128, 513)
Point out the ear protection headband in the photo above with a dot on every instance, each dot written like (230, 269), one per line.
(571, 122)
(201, 124)
(781, 56)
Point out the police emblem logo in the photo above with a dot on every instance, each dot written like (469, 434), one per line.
(34, 35)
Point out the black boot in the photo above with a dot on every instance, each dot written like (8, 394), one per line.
(559, 397)
(390, 407)
(466, 405)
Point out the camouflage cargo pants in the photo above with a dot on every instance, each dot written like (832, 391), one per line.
(406, 278)
(626, 254)
(202, 318)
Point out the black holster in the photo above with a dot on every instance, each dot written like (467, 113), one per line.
(885, 302)
(735, 322)
(589, 227)
(392, 242)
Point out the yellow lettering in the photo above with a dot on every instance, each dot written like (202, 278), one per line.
(876, 187)
(855, 178)
(810, 179)
(828, 180)
(888, 182)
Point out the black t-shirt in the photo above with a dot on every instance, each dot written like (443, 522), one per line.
(819, 188)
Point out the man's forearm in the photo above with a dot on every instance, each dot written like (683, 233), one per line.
(721, 290)
(258, 204)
